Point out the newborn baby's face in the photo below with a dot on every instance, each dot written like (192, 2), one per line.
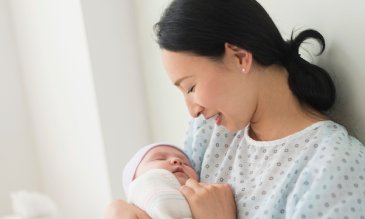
(168, 158)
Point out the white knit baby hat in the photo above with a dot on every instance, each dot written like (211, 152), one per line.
(131, 167)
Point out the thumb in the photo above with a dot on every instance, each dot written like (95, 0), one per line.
(142, 215)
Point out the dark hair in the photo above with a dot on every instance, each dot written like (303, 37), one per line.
(202, 27)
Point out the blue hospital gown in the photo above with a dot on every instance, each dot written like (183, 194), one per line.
(318, 172)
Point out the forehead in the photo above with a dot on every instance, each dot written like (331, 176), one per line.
(165, 150)
(181, 64)
(177, 57)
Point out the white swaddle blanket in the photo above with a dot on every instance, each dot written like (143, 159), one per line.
(157, 192)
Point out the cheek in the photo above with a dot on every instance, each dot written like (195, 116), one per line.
(192, 174)
(206, 95)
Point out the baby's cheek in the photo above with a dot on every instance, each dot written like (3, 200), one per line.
(193, 175)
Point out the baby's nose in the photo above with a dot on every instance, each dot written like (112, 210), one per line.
(175, 161)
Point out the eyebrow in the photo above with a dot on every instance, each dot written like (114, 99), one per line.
(182, 156)
(161, 153)
(156, 154)
(177, 82)
(150, 156)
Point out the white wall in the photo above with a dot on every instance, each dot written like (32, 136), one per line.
(113, 45)
(81, 73)
(341, 23)
(166, 107)
(58, 81)
(18, 167)
(80, 65)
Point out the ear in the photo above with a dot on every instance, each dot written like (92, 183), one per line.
(241, 58)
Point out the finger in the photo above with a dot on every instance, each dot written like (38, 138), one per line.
(187, 191)
(193, 184)
(227, 186)
(202, 184)
(221, 185)
(143, 215)
(120, 209)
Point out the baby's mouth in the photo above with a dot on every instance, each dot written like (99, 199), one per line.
(178, 170)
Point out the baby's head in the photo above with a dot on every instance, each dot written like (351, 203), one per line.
(159, 156)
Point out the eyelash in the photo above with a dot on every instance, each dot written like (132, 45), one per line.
(191, 89)
(159, 158)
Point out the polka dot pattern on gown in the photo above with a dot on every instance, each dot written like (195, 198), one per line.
(318, 172)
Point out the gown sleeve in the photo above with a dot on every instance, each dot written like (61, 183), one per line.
(197, 138)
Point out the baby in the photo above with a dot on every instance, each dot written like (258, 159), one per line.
(152, 179)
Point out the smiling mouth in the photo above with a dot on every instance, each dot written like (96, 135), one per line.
(214, 115)
(218, 119)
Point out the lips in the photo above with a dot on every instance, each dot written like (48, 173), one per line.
(209, 117)
(218, 119)
(216, 115)
(178, 170)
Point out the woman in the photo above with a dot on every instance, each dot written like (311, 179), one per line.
(260, 130)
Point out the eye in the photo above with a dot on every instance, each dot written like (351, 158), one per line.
(159, 158)
(191, 89)
(186, 163)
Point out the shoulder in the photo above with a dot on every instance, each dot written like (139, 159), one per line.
(196, 140)
(335, 147)
(200, 124)
(201, 134)
(334, 177)
(338, 142)
(330, 159)
(336, 161)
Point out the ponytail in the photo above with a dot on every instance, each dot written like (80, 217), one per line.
(311, 84)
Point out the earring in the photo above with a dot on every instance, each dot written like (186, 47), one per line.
(243, 70)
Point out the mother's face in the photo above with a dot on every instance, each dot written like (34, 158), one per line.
(214, 88)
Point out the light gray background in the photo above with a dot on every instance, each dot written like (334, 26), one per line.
(83, 87)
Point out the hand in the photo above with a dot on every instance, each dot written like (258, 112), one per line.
(209, 200)
(120, 209)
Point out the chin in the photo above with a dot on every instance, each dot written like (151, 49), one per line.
(233, 127)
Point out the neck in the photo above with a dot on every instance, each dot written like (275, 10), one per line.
(279, 113)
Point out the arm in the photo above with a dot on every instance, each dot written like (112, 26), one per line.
(213, 201)
(157, 193)
(195, 145)
(120, 209)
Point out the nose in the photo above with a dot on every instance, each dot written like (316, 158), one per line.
(176, 161)
(195, 109)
